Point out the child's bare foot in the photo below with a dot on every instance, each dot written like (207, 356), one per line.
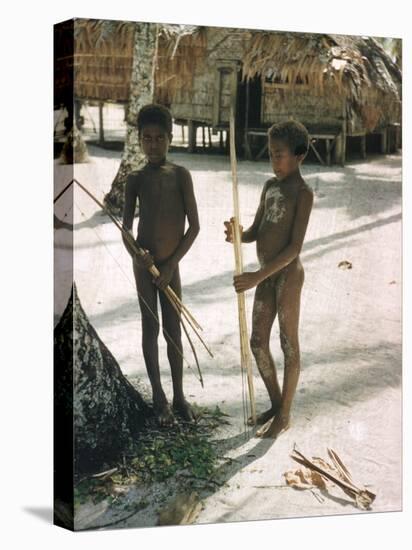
(265, 416)
(164, 414)
(183, 408)
(275, 427)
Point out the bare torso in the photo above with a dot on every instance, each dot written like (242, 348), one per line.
(275, 227)
(161, 209)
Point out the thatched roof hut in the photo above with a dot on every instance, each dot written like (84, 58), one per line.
(336, 85)
(93, 58)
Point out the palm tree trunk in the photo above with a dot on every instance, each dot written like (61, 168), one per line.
(141, 93)
(97, 410)
(94, 401)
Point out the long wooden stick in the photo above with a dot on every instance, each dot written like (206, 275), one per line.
(245, 357)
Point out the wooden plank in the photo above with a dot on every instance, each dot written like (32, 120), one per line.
(323, 136)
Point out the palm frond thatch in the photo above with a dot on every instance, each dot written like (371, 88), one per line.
(337, 68)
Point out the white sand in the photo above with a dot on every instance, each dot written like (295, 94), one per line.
(349, 393)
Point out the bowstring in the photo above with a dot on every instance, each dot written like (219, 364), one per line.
(120, 224)
(139, 294)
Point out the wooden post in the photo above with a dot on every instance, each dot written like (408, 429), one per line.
(192, 136)
(77, 114)
(245, 357)
(101, 123)
(384, 141)
(340, 141)
(328, 151)
(344, 123)
(221, 140)
(248, 152)
(337, 156)
(340, 149)
(227, 140)
(363, 146)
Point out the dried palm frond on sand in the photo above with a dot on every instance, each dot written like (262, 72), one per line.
(318, 472)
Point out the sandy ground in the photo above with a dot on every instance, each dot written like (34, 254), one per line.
(349, 393)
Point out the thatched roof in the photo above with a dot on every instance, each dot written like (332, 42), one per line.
(182, 53)
(103, 57)
(352, 67)
(99, 60)
(348, 66)
(349, 62)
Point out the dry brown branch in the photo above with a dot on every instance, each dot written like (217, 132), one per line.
(337, 473)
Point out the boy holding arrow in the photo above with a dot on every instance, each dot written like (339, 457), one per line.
(279, 229)
(166, 198)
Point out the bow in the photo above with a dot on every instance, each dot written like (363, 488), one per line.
(182, 311)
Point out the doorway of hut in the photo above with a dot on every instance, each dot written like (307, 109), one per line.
(248, 110)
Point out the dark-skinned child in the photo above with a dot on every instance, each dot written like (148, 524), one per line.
(166, 199)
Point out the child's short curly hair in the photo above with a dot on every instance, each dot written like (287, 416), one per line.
(293, 133)
(153, 113)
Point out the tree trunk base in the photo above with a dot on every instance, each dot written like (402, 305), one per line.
(94, 401)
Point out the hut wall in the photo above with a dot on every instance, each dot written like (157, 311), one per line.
(103, 68)
(304, 104)
(355, 123)
(227, 44)
(373, 116)
(223, 96)
(198, 103)
(225, 47)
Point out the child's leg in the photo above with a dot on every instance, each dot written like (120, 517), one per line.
(264, 313)
(288, 291)
(172, 331)
(147, 295)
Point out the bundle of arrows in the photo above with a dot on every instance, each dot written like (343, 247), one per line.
(182, 311)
